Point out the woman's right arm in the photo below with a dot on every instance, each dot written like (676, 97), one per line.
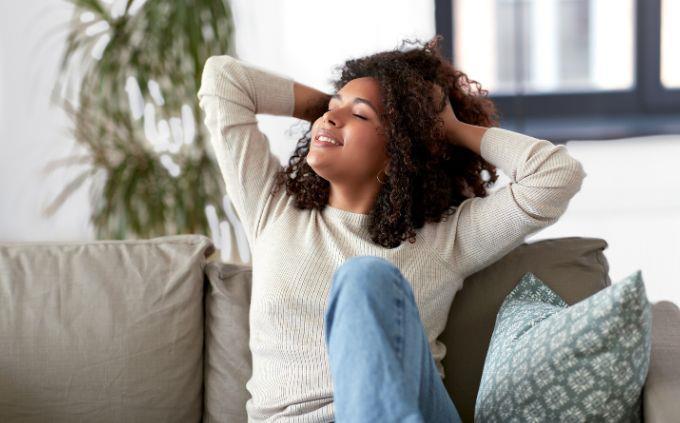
(232, 92)
(310, 103)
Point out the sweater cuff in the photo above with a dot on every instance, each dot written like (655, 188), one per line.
(505, 149)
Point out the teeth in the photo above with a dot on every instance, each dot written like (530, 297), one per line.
(326, 139)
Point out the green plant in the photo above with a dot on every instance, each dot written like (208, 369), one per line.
(146, 55)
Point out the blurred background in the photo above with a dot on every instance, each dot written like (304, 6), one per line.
(101, 136)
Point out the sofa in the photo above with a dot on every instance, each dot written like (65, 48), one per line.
(157, 329)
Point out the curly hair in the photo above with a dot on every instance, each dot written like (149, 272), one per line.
(428, 176)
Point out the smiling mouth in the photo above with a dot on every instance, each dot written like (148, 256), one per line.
(322, 139)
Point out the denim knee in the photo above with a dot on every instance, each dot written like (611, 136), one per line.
(362, 275)
(360, 278)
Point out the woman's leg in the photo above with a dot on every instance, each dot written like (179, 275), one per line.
(380, 360)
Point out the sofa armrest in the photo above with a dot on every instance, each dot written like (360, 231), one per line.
(662, 388)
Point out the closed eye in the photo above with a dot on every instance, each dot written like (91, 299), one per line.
(359, 116)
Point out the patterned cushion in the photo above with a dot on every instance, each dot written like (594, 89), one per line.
(551, 362)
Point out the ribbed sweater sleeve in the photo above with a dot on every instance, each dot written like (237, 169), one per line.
(543, 179)
(232, 92)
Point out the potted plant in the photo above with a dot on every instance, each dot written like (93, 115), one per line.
(138, 67)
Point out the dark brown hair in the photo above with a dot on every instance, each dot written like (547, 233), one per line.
(428, 176)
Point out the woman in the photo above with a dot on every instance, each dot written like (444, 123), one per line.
(344, 315)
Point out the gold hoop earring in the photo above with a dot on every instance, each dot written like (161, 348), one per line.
(377, 177)
(381, 182)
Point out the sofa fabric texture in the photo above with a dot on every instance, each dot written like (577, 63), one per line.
(105, 331)
(228, 363)
(158, 329)
(661, 394)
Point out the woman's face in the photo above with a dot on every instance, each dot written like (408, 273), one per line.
(353, 120)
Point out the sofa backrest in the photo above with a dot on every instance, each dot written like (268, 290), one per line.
(574, 267)
(102, 331)
(154, 330)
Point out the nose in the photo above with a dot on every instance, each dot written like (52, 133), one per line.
(329, 117)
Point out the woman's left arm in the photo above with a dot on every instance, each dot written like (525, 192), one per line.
(543, 179)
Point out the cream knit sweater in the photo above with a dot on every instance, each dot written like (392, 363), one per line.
(295, 252)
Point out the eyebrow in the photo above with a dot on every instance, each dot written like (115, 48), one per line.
(357, 100)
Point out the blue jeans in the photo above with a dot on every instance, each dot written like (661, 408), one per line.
(381, 364)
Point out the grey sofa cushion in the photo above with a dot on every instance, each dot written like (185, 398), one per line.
(104, 331)
(227, 362)
(574, 267)
(662, 387)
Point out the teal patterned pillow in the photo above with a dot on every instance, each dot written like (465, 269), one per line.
(548, 361)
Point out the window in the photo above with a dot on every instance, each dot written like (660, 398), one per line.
(541, 46)
(570, 69)
(670, 56)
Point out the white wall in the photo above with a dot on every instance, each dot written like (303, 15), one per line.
(32, 132)
(289, 37)
(631, 199)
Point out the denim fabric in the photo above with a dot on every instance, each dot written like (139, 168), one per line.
(379, 355)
